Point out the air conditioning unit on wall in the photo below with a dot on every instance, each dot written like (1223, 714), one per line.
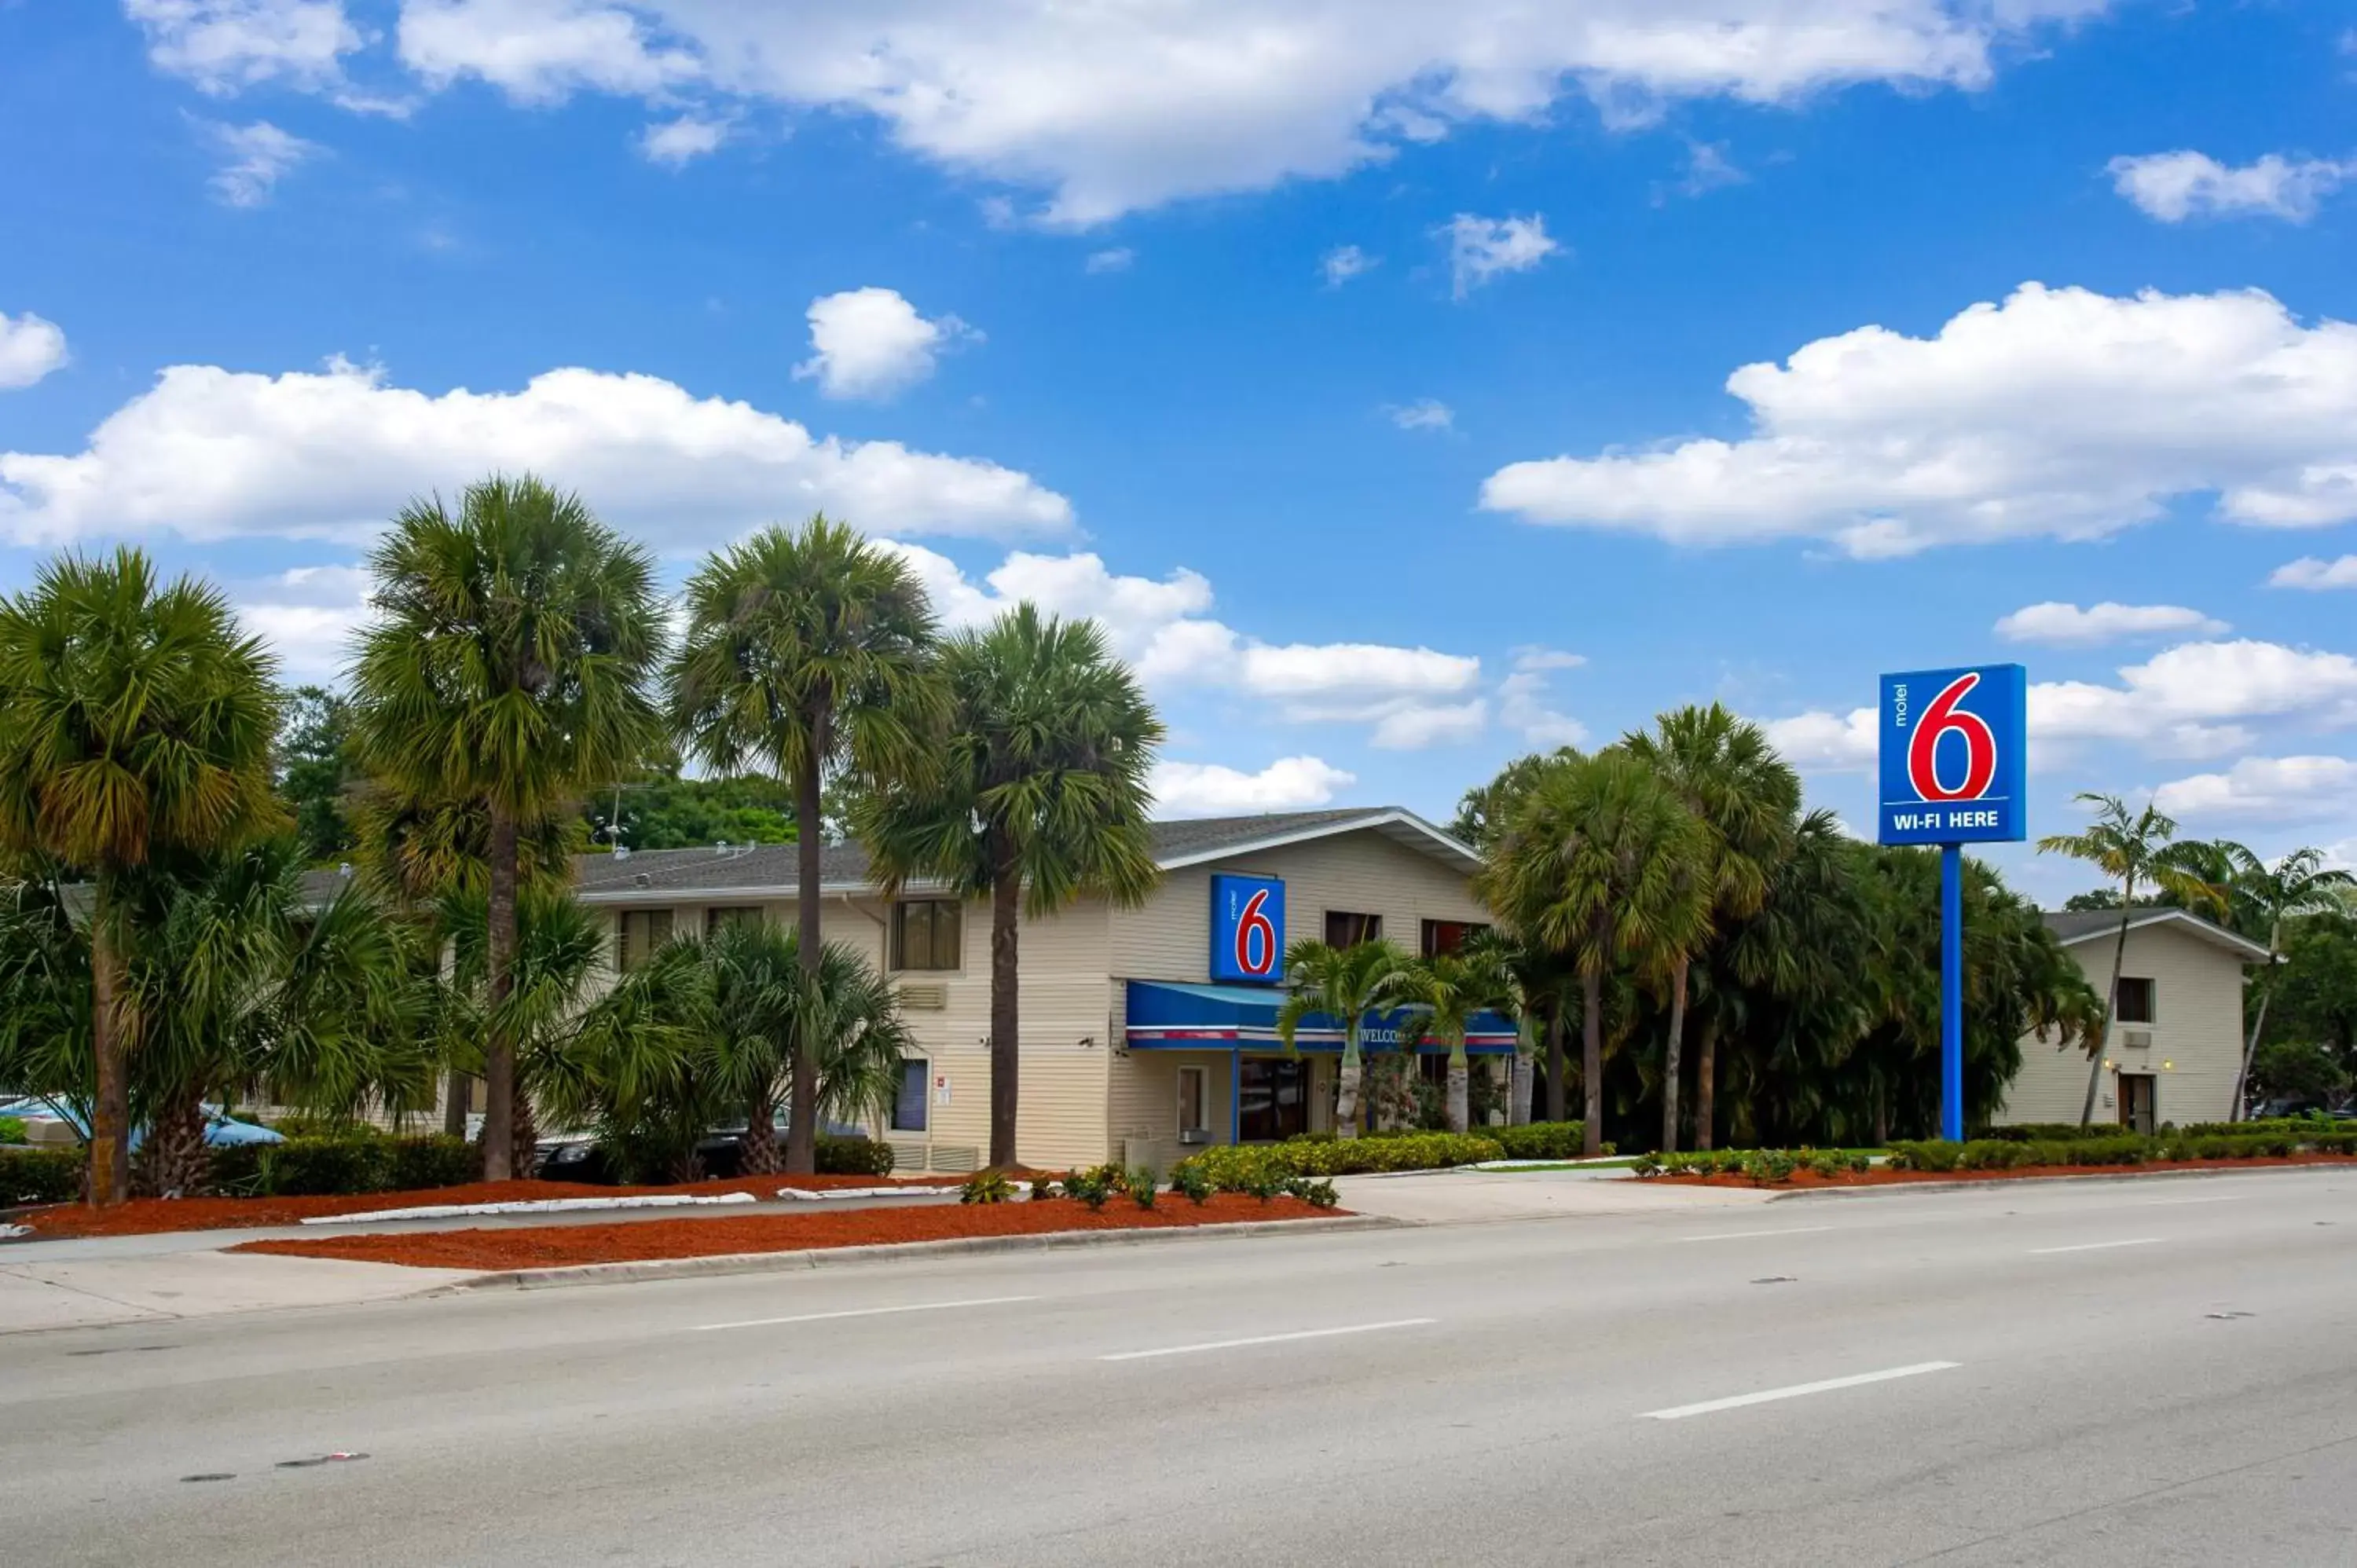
(2137, 1038)
(1195, 1135)
(928, 996)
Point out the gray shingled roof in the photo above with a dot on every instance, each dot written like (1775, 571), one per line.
(2074, 926)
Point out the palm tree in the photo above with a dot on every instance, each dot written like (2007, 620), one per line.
(2134, 848)
(507, 670)
(1442, 993)
(1746, 797)
(810, 652)
(1345, 984)
(553, 973)
(2267, 896)
(1041, 799)
(1602, 863)
(134, 722)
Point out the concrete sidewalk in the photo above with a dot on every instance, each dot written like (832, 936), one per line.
(68, 1292)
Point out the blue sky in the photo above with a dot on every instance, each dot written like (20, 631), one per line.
(1371, 369)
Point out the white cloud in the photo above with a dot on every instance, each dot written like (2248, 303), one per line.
(1481, 248)
(1344, 262)
(1331, 669)
(210, 452)
(1207, 790)
(1708, 168)
(1532, 658)
(871, 343)
(2200, 698)
(1522, 706)
(2173, 187)
(2310, 572)
(1117, 260)
(1110, 108)
(2060, 412)
(683, 140)
(30, 347)
(258, 155)
(2265, 788)
(2069, 626)
(1424, 414)
(308, 615)
(1824, 742)
(222, 45)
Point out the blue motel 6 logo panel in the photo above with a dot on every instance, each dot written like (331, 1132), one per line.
(1954, 755)
(1248, 929)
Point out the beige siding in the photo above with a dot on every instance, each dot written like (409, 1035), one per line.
(1169, 938)
(2196, 1035)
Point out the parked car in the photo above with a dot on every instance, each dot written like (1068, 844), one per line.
(575, 1156)
(221, 1130)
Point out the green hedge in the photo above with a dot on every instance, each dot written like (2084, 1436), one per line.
(2049, 1132)
(1542, 1140)
(2119, 1149)
(28, 1177)
(854, 1157)
(12, 1129)
(347, 1162)
(1238, 1168)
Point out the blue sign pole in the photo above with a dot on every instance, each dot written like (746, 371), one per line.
(1952, 992)
(1955, 747)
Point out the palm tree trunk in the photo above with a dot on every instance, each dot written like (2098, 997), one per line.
(1005, 1018)
(499, 1058)
(174, 1154)
(110, 1115)
(1591, 1062)
(458, 1090)
(1706, 1084)
(1518, 1080)
(1346, 1089)
(1558, 1091)
(2250, 1050)
(810, 949)
(2111, 1003)
(1460, 1089)
(524, 1137)
(761, 1156)
(1670, 1062)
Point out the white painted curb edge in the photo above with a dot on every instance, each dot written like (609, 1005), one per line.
(535, 1205)
(821, 1193)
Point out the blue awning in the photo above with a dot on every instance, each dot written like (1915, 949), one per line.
(1176, 1016)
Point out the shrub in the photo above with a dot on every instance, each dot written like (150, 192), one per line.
(438, 1160)
(986, 1186)
(28, 1177)
(300, 1124)
(1646, 1166)
(1045, 1185)
(1768, 1166)
(1266, 1182)
(1829, 1163)
(2050, 1133)
(12, 1129)
(1233, 1169)
(1541, 1140)
(1091, 1187)
(1930, 1154)
(303, 1167)
(1191, 1180)
(1317, 1194)
(854, 1157)
(1142, 1188)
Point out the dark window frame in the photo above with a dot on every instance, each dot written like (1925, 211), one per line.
(630, 954)
(931, 943)
(1429, 931)
(2146, 1010)
(1341, 925)
(920, 1069)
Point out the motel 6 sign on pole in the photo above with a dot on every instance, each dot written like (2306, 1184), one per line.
(1953, 753)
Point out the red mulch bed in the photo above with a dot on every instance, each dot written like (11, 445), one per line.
(148, 1216)
(1882, 1176)
(558, 1245)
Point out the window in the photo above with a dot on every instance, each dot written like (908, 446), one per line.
(716, 920)
(1346, 929)
(643, 930)
(925, 934)
(909, 1104)
(1194, 1096)
(2136, 1001)
(1449, 935)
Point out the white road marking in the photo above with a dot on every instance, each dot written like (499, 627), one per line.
(2174, 1202)
(1268, 1339)
(2096, 1246)
(865, 1312)
(1747, 1235)
(1766, 1396)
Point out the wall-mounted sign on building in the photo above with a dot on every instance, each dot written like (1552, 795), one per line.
(1248, 930)
(1954, 747)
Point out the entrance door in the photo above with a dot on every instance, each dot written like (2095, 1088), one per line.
(2136, 1102)
(1272, 1099)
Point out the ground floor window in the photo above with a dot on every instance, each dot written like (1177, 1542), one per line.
(909, 1104)
(643, 930)
(1273, 1100)
(1194, 1099)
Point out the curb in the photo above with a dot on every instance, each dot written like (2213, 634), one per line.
(836, 1257)
(1887, 1188)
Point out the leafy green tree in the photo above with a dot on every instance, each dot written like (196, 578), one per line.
(508, 669)
(810, 652)
(2265, 897)
(2135, 847)
(1443, 993)
(554, 972)
(1602, 863)
(315, 770)
(2317, 998)
(1345, 984)
(2297, 1070)
(1042, 799)
(135, 722)
(1747, 798)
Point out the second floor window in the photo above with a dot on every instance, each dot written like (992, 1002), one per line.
(643, 930)
(2136, 1001)
(726, 915)
(1449, 935)
(1347, 929)
(925, 934)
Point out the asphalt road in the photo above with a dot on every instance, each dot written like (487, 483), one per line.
(2134, 1373)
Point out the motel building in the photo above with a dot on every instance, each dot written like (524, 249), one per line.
(1146, 1032)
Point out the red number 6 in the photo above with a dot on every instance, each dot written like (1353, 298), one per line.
(1980, 745)
(1254, 928)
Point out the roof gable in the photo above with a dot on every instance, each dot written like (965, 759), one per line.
(2074, 928)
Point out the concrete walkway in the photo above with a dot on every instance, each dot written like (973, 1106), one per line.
(69, 1292)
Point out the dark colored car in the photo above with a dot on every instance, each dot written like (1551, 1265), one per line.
(721, 1154)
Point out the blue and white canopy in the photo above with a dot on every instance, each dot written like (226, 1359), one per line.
(1174, 1016)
